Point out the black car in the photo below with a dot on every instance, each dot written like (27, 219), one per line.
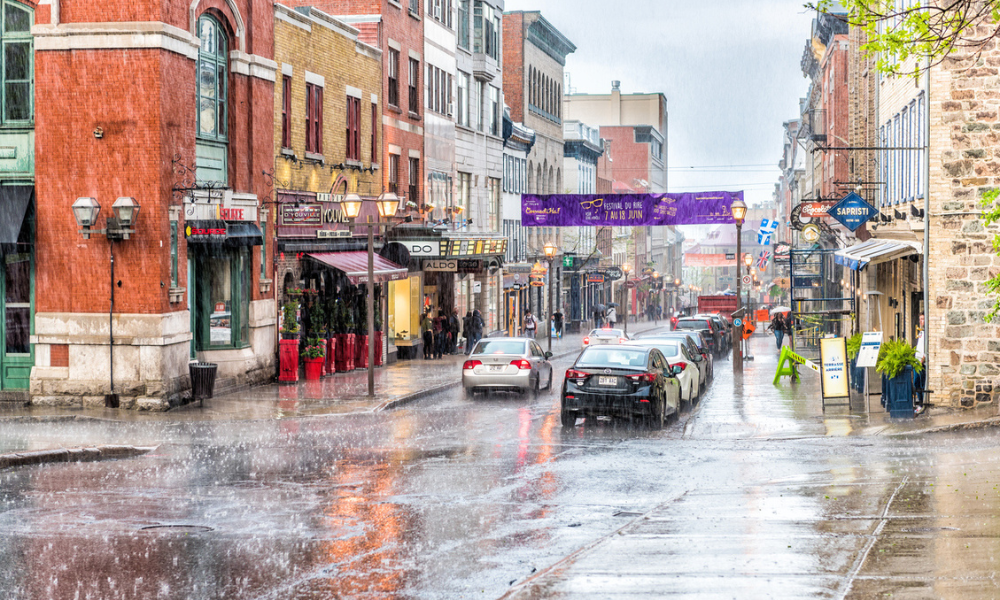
(715, 334)
(723, 326)
(621, 381)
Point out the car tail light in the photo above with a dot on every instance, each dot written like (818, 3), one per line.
(622, 340)
(704, 355)
(683, 365)
(521, 364)
(647, 377)
(646, 400)
(471, 364)
(586, 340)
(576, 376)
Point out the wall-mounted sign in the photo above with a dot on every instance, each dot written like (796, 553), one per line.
(441, 266)
(811, 233)
(326, 234)
(729, 256)
(305, 214)
(206, 232)
(440, 248)
(595, 278)
(469, 266)
(852, 212)
(815, 210)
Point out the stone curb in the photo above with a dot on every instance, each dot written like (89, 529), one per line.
(40, 457)
(967, 426)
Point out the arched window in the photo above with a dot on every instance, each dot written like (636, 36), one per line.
(212, 79)
(18, 64)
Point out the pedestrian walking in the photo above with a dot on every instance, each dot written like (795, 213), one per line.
(598, 316)
(427, 333)
(530, 325)
(778, 327)
(454, 328)
(467, 331)
(440, 334)
(611, 317)
(558, 319)
(476, 326)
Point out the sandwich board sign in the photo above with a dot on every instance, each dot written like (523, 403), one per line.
(871, 343)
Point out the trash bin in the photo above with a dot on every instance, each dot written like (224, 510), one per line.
(202, 380)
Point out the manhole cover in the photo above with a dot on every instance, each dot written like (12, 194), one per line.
(178, 528)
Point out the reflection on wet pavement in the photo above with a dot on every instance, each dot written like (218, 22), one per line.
(757, 492)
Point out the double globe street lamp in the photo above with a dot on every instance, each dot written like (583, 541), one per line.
(739, 210)
(550, 254)
(118, 226)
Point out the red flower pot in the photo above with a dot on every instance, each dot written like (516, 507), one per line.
(314, 368)
(379, 354)
(288, 361)
(331, 356)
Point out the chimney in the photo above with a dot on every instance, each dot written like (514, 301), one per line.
(616, 102)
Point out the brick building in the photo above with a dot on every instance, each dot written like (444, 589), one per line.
(534, 59)
(120, 111)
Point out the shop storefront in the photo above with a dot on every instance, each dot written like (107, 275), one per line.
(16, 285)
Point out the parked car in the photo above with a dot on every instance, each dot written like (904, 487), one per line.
(622, 381)
(697, 324)
(697, 349)
(723, 326)
(507, 364)
(599, 337)
(678, 352)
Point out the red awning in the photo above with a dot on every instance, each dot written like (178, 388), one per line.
(355, 266)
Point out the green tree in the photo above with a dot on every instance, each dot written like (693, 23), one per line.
(991, 215)
(896, 31)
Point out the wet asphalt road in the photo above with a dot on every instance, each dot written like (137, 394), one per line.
(755, 493)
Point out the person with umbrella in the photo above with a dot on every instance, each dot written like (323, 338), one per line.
(599, 311)
(780, 324)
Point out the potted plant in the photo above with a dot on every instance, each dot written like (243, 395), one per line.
(329, 307)
(288, 357)
(318, 326)
(857, 373)
(897, 361)
(314, 357)
(345, 339)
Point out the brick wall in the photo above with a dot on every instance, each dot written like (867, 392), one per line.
(513, 64)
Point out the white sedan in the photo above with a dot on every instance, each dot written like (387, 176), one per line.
(601, 337)
(678, 355)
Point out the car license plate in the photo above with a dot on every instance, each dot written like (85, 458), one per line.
(607, 381)
(496, 367)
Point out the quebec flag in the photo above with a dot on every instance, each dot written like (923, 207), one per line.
(768, 226)
(764, 238)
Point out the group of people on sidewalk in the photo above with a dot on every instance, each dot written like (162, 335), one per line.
(441, 334)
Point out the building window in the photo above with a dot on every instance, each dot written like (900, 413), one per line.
(415, 6)
(439, 91)
(212, 79)
(173, 254)
(413, 193)
(18, 66)
(414, 87)
(481, 104)
(494, 110)
(314, 118)
(353, 128)
(463, 99)
(393, 74)
(494, 209)
(463, 24)
(486, 30)
(375, 155)
(464, 192)
(263, 247)
(394, 173)
(286, 112)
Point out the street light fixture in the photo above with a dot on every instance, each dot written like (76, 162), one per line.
(117, 227)
(550, 253)
(739, 210)
(627, 268)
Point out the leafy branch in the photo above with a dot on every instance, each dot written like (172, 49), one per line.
(991, 215)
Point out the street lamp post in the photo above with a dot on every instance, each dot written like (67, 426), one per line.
(118, 227)
(739, 210)
(625, 295)
(550, 253)
(388, 205)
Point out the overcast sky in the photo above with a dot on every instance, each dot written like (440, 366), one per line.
(729, 68)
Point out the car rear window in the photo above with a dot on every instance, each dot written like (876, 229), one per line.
(614, 358)
(669, 349)
(693, 325)
(499, 347)
(606, 333)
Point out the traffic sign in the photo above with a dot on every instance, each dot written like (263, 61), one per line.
(738, 323)
(747, 280)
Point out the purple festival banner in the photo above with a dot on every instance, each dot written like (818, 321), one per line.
(628, 210)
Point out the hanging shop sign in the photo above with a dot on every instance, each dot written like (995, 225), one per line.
(441, 266)
(635, 210)
(595, 278)
(811, 233)
(815, 210)
(469, 266)
(833, 360)
(206, 232)
(852, 211)
(614, 273)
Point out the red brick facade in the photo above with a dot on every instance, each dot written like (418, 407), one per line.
(513, 64)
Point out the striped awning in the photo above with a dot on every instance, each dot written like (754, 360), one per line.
(873, 252)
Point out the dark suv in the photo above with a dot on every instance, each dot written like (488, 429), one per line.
(723, 326)
(715, 335)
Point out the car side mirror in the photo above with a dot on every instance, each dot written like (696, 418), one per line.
(698, 358)
(677, 370)
(548, 355)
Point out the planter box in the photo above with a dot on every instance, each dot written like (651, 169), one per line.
(898, 394)
(331, 356)
(314, 368)
(288, 357)
(361, 352)
(345, 352)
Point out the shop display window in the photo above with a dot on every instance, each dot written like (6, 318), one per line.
(224, 300)
(404, 310)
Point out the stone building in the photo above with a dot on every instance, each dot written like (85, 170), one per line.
(167, 103)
